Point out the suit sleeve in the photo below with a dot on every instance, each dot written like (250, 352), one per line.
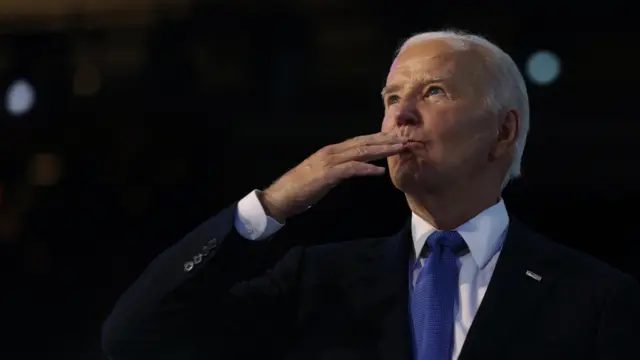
(252, 221)
(620, 323)
(208, 296)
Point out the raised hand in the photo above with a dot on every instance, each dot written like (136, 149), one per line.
(312, 179)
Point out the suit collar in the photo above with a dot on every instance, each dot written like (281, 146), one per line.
(379, 293)
(484, 234)
(523, 276)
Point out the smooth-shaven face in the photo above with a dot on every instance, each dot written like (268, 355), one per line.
(436, 94)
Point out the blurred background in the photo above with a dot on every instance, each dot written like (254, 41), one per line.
(124, 124)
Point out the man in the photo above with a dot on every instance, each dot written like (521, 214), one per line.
(461, 280)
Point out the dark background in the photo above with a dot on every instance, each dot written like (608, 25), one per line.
(202, 101)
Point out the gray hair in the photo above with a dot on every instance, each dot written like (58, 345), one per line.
(510, 90)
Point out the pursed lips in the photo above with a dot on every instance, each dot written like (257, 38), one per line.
(414, 144)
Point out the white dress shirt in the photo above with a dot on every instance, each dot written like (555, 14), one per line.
(484, 235)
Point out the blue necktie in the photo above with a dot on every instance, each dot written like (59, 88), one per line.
(433, 297)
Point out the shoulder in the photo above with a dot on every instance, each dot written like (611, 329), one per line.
(352, 249)
(337, 259)
(580, 267)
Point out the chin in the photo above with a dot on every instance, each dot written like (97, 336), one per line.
(404, 179)
(411, 181)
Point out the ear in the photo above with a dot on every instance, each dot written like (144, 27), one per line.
(508, 131)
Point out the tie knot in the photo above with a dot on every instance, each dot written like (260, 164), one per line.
(447, 239)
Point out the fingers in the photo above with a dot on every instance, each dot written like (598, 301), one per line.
(376, 139)
(368, 153)
(367, 140)
(363, 148)
(355, 168)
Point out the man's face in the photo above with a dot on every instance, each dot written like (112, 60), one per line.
(437, 97)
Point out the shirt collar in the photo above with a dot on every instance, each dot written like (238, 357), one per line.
(484, 234)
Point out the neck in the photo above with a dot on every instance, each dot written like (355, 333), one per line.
(452, 208)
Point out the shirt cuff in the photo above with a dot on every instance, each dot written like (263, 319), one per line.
(252, 221)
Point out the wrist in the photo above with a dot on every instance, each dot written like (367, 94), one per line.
(270, 207)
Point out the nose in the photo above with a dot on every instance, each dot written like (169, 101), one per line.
(406, 114)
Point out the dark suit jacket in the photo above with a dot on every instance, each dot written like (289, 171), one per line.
(350, 301)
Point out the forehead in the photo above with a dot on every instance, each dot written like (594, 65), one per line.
(434, 59)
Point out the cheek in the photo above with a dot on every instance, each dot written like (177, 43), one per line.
(387, 122)
(449, 122)
(462, 144)
(446, 132)
(437, 123)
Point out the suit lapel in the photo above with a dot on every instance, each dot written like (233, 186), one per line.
(378, 296)
(512, 295)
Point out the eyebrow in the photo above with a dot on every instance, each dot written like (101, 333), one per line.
(391, 88)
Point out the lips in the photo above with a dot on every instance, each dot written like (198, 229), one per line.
(411, 138)
(414, 144)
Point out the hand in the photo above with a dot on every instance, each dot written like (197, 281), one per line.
(312, 179)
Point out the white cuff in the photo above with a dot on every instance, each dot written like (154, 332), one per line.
(251, 221)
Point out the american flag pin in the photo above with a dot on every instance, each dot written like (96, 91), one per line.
(533, 275)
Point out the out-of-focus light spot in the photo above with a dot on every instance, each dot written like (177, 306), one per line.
(86, 81)
(543, 67)
(19, 98)
(45, 169)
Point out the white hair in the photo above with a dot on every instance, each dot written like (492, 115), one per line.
(509, 90)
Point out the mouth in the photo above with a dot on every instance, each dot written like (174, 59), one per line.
(414, 144)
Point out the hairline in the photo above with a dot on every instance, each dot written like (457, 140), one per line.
(508, 91)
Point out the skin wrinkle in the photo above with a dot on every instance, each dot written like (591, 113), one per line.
(507, 95)
(436, 94)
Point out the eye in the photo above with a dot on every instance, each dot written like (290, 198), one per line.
(393, 99)
(435, 90)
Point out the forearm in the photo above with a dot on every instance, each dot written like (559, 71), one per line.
(166, 307)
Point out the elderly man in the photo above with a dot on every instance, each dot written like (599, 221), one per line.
(462, 280)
